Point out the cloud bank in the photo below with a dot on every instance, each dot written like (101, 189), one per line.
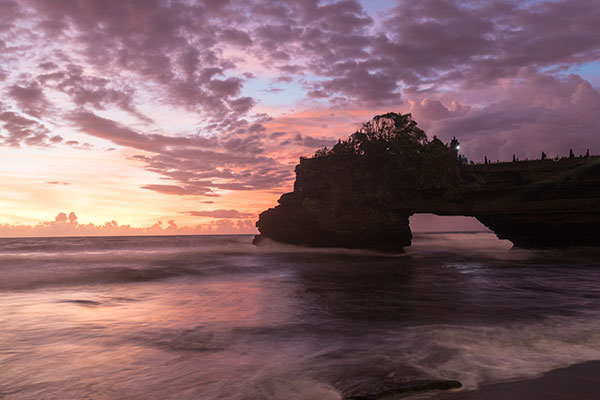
(68, 225)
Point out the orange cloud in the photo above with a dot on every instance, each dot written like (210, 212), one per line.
(302, 132)
(68, 225)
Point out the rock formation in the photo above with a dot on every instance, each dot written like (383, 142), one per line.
(404, 389)
(361, 193)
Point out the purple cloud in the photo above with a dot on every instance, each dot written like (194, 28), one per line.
(30, 98)
(16, 130)
(236, 37)
(199, 165)
(478, 43)
(493, 73)
(539, 113)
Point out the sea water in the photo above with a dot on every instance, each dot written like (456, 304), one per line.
(213, 317)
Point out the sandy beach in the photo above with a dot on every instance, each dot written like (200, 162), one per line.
(577, 382)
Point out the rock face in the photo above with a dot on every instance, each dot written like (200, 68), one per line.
(538, 203)
(407, 388)
(292, 222)
(361, 193)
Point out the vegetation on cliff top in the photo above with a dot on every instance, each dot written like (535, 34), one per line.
(389, 159)
(361, 193)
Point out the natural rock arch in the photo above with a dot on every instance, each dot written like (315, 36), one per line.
(361, 193)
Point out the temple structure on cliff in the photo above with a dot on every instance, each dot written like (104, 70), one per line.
(361, 193)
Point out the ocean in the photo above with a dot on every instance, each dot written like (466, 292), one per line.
(213, 317)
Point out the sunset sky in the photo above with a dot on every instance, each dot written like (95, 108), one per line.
(182, 116)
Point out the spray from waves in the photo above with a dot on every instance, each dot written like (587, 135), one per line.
(473, 355)
(69, 274)
(44, 247)
(292, 388)
(478, 355)
(100, 244)
(476, 244)
(42, 262)
(268, 246)
(48, 262)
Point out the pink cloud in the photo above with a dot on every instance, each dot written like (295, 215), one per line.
(16, 129)
(539, 113)
(30, 97)
(199, 165)
(236, 37)
(68, 225)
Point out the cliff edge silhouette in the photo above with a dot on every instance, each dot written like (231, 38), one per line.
(361, 193)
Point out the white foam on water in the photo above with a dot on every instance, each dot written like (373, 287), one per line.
(477, 355)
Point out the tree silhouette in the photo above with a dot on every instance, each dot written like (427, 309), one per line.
(388, 158)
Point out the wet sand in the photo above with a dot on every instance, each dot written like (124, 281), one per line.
(577, 382)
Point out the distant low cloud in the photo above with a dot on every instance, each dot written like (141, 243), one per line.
(68, 225)
(218, 214)
(57, 183)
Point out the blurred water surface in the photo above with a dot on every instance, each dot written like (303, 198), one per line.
(213, 317)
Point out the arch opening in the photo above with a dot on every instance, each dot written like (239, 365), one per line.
(432, 223)
(453, 233)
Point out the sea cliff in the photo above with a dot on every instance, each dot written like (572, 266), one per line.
(361, 193)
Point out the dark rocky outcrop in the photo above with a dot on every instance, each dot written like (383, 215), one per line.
(361, 193)
(407, 388)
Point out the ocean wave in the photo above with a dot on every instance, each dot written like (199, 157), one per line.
(47, 262)
(483, 354)
(121, 243)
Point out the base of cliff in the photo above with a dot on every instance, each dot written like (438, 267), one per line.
(546, 230)
(291, 223)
